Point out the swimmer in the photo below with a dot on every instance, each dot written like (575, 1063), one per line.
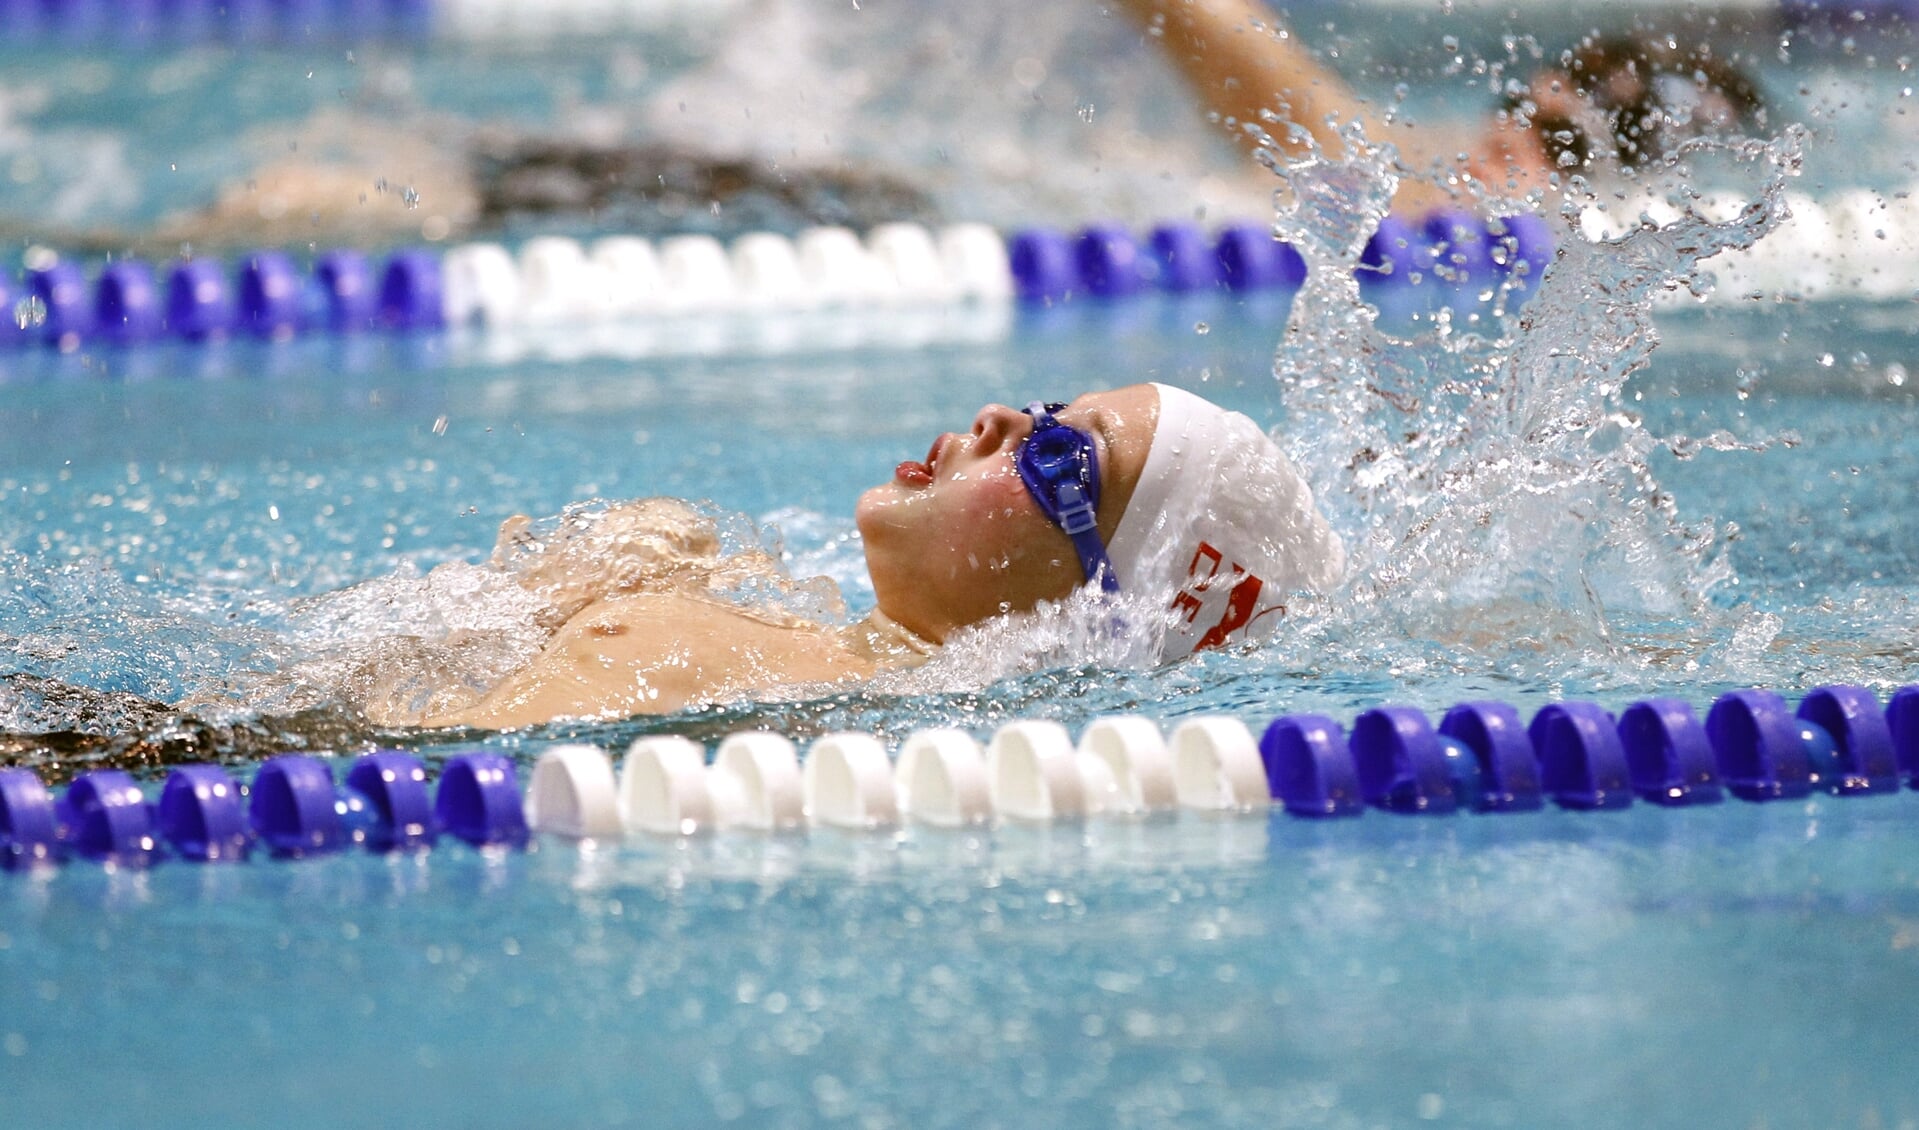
(1149, 491)
(1615, 101)
(356, 179)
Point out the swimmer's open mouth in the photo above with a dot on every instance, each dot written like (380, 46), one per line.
(921, 474)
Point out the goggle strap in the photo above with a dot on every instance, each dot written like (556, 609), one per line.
(1093, 562)
(1076, 515)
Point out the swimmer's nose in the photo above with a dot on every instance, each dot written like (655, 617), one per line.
(998, 428)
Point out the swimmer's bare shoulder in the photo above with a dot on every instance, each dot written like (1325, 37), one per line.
(654, 653)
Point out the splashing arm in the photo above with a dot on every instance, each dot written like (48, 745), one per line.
(1243, 66)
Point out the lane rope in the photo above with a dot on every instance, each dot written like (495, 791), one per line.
(1481, 757)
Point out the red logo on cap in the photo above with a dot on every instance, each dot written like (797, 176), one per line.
(1242, 598)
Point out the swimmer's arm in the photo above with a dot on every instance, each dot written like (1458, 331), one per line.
(655, 653)
(1242, 67)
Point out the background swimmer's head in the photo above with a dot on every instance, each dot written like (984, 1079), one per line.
(1632, 98)
(1202, 513)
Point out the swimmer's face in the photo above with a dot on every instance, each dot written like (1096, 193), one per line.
(1627, 107)
(956, 539)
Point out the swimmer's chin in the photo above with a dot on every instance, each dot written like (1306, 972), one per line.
(874, 499)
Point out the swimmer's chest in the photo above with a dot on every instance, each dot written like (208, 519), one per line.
(672, 650)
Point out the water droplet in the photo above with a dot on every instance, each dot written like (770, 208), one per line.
(29, 312)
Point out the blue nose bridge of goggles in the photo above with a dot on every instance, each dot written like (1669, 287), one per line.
(1060, 466)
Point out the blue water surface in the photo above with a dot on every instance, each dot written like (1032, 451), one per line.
(1739, 965)
(1732, 966)
(165, 512)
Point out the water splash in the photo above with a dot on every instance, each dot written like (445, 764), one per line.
(400, 648)
(1489, 470)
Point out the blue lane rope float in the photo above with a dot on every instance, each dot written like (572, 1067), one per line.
(61, 292)
(106, 819)
(478, 801)
(342, 298)
(270, 293)
(29, 832)
(200, 815)
(410, 293)
(1668, 755)
(127, 303)
(1581, 761)
(1400, 763)
(199, 301)
(1251, 259)
(1480, 758)
(1310, 768)
(1497, 740)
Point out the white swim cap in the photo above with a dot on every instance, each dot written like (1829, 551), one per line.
(1222, 524)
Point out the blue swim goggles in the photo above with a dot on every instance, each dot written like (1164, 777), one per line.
(1060, 466)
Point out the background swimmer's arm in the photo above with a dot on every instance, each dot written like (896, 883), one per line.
(1242, 66)
(654, 653)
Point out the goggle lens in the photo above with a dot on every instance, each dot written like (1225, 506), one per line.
(1060, 466)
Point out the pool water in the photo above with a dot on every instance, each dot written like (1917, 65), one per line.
(1731, 965)
(179, 521)
(1739, 965)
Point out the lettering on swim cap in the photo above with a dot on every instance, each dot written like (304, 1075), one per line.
(1201, 596)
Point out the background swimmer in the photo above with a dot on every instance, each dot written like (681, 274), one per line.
(1194, 510)
(1614, 101)
(356, 181)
